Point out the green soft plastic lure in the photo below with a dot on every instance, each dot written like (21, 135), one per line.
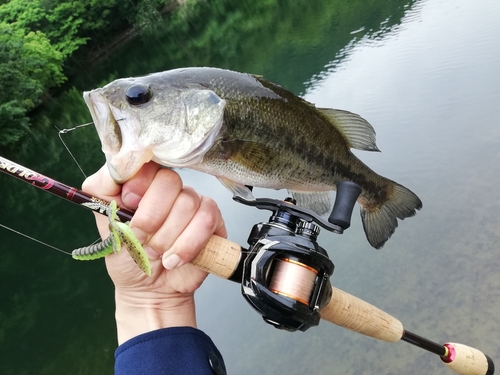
(120, 233)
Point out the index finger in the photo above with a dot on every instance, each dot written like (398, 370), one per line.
(206, 222)
(102, 186)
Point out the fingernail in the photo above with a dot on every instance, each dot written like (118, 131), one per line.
(171, 261)
(131, 200)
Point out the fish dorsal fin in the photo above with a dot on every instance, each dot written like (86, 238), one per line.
(358, 132)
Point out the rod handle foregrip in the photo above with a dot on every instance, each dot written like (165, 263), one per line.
(219, 257)
(465, 360)
(353, 313)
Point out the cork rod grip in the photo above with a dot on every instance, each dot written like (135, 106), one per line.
(465, 360)
(357, 315)
(219, 257)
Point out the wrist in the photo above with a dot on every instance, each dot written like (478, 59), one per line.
(138, 315)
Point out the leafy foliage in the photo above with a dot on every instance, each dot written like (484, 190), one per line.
(42, 41)
(28, 65)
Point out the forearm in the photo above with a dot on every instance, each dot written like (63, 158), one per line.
(135, 317)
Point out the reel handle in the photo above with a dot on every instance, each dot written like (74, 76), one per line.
(221, 257)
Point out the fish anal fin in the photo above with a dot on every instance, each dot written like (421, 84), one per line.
(238, 190)
(358, 132)
(320, 202)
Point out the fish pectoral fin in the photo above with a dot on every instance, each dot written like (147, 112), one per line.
(238, 190)
(359, 133)
(320, 202)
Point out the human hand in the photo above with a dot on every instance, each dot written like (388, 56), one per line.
(173, 223)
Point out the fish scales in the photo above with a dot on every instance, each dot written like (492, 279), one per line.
(245, 130)
(316, 150)
(262, 125)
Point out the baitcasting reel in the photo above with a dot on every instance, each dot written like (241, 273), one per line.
(286, 274)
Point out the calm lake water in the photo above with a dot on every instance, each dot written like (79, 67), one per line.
(426, 74)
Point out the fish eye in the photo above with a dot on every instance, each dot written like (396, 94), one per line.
(138, 94)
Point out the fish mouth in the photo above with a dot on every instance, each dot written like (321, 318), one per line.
(106, 126)
(117, 132)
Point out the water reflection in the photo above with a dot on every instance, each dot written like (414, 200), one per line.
(427, 88)
(413, 69)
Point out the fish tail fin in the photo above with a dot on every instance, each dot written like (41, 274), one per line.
(380, 221)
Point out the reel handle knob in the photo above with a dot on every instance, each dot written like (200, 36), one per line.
(347, 194)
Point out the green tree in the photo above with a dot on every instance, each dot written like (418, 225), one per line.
(28, 65)
(40, 38)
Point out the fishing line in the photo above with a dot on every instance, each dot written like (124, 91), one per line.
(60, 132)
(41, 242)
(293, 279)
(34, 239)
(64, 131)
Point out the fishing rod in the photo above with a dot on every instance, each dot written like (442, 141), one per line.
(285, 274)
(61, 190)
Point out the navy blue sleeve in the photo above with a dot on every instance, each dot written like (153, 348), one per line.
(172, 351)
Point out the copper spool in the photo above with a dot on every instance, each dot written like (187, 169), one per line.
(293, 279)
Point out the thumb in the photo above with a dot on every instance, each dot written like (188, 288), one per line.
(101, 184)
(134, 189)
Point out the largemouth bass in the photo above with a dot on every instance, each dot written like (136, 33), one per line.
(246, 131)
